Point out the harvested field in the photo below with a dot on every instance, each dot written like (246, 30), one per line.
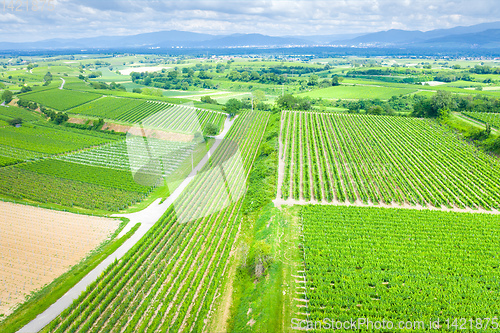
(37, 245)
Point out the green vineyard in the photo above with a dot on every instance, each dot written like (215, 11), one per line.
(486, 117)
(117, 155)
(45, 138)
(169, 280)
(184, 119)
(143, 111)
(378, 159)
(59, 99)
(398, 264)
(107, 107)
(11, 112)
(23, 184)
(118, 179)
(178, 118)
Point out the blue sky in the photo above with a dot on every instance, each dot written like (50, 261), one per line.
(88, 18)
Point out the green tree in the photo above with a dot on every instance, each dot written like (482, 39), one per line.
(313, 80)
(7, 96)
(376, 110)
(233, 76)
(287, 102)
(15, 121)
(442, 100)
(233, 106)
(47, 77)
(210, 129)
(60, 118)
(25, 89)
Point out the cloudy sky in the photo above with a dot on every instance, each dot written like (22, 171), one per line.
(89, 18)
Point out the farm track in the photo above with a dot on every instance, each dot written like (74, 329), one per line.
(147, 217)
(290, 202)
(476, 122)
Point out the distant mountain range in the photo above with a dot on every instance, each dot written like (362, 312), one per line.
(486, 35)
(483, 35)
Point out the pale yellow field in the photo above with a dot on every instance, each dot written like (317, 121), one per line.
(37, 245)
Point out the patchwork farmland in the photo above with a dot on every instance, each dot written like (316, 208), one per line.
(254, 192)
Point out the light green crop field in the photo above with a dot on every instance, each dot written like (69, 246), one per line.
(51, 139)
(60, 99)
(12, 112)
(486, 117)
(397, 264)
(110, 76)
(357, 92)
(55, 70)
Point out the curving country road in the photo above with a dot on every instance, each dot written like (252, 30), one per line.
(147, 217)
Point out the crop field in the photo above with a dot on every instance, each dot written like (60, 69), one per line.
(171, 278)
(156, 114)
(379, 159)
(117, 155)
(4, 161)
(38, 245)
(358, 92)
(118, 179)
(74, 83)
(107, 107)
(11, 112)
(59, 99)
(143, 111)
(486, 117)
(50, 139)
(10, 155)
(399, 264)
(19, 183)
(184, 119)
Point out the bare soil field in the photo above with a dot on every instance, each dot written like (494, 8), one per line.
(37, 245)
(150, 133)
(80, 121)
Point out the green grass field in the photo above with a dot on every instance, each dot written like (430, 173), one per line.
(358, 92)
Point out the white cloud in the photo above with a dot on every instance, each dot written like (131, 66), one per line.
(86, 18)
(7, 18)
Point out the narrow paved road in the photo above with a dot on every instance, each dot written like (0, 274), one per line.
(147, 217)
(62, 84)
